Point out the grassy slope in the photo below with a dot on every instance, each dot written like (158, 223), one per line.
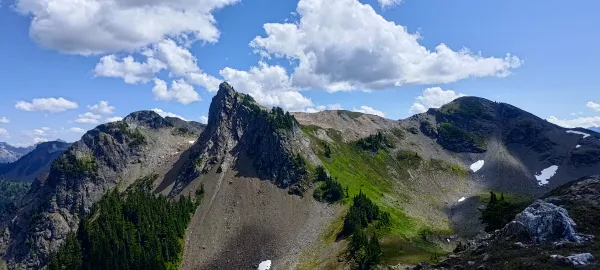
(360, 170)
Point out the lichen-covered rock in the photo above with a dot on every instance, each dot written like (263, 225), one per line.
(546, 223)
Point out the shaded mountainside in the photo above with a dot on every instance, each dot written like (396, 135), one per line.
(558, 232)
(108, 156)
(9, 153)
(35, 163)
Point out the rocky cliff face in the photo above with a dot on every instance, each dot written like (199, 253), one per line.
(111, 155)
(35, 163)
(239, 127)
(9, 153)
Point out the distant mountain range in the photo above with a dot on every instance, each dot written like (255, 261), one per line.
(597, 129)
(9, 153)
(34, 163)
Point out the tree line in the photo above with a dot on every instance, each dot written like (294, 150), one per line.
(130, 230)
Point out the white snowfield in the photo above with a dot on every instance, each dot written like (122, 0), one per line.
(266, 265)
(585, 135)
(477, 165)
(578, 146)
(546, 174)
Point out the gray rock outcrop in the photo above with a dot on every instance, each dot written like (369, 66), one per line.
(544, 222)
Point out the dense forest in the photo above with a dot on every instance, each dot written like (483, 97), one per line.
(10, 192)
(130, 230)
(365, 251)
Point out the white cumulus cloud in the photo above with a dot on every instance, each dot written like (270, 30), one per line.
(204, 119)
(369, 110)
(4, 120)
(433, 97)
(584, 122)
(88, 118)
(77, 130)
(47, 104)
(268, 85)
(3, 132)
(164, 55)
(388, 3)
(342, 45)
(167, 114)
(102, 108)
(593, 105)
(180, 91)
(128, 69)
(98, 26)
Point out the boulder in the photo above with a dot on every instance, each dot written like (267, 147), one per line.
(545, 223)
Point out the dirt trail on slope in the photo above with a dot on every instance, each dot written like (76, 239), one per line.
(247, 221)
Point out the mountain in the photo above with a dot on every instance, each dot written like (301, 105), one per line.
(10, 153)
(111, 155)
(36, 162)
(595, 129)
(331, 189)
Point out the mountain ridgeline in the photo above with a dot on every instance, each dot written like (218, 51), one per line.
(34, 163)
(333, 189)
(9, 153)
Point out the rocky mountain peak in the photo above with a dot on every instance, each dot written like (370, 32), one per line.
(238, 126)
(149, 119)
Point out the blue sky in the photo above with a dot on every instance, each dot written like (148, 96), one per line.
(310, 55)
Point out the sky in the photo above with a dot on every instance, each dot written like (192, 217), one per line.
(67, 66)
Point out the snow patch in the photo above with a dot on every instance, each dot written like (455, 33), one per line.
(462, 199)
(266, 265)
(585, 135)
(578, 146)
(477, 165)
(546, 174)
(192, 142)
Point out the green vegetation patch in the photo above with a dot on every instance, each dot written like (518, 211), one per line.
(409, 159)
(458, 140)
(70, 165)
(130, 230)
(10, 192)
(330, 190)
(441, 165)
(350, 114)
(500, 210)
(360, 171)
(375, 142)
(182, 131)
